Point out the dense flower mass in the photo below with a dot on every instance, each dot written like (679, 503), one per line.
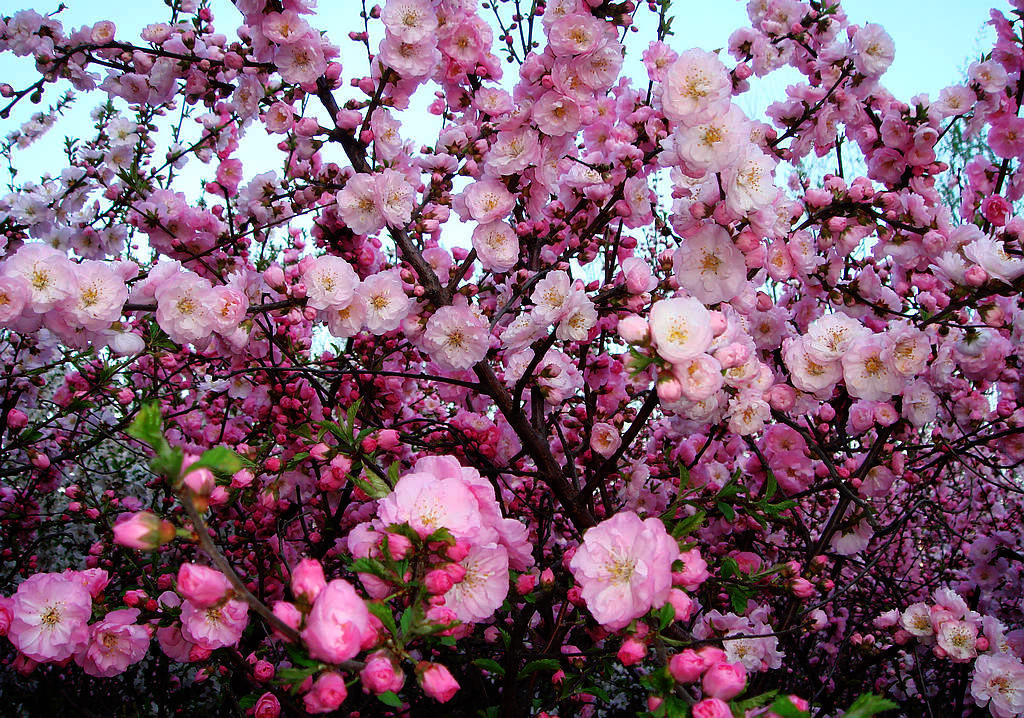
(450, 353)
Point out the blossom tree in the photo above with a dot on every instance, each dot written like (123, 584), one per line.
(489, 354)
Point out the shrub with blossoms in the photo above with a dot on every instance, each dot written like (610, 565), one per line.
(604, 398)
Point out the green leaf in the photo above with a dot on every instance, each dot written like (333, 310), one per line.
(756, 701)
(727, 511)
(246, 702)
(738, 597)
(544, 664)
(383, 614)
(771, 486)
(490, 665)
(687, 526)
(869, 705)
(390, 698)
(372, 486)
(148, 426)
(729, 490)
(784, 707)
(666, 614)
(219, 459)
(168, 462)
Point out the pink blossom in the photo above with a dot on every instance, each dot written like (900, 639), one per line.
(624, 567)
(409, 20)
(497, 246)
(680, 328)
(49, 615)
(115, 643)
(485, 201)
(867, 374)
(302, 60)
(360, 206)
(213, 627)
(711, 708)
(874, 50)
(709, 266)
(338, 624)
(456, 338)
(385, 300)
(724, 680)
(330, 282)
(380, 674)
(47, 273)
(484, 586)
(308, 579)
(696, 88)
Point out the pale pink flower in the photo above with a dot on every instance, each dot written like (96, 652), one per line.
(284, 27)
(551, 298)
(338, 624)
(709, 266)
(359, 205)
(14, 295)
(874, 50)
(513, 151)
(456, 338)
(301, 61)
(496, 245)
(957, 639)
(483, 588)
(279, 118)
(330, 282)
(624, 567)
(990, 254)
(999, 681)
(990, 75)
(696, 88)
(909, 350)
(749, 185)
(638, 276)
(604, 439)
(830, 336)
(47, 272)
(579, 318)
(396, 197)
(556, 114)
(115, 643)
(680, 328)
(98, 296)
(347, 321)
(428, 502)
(713, 145)
(866, 372)
(409, 59)
(485, 201)
(49, 613)
(699, 376)
(183, 307)
(575, 34)
(214, 627)
(409, 20)
(228, 308)
(387, 304)
(748, 413)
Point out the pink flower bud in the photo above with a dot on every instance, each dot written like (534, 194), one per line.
(632, 651)
(437, 681)
(268, 706)
(686, 667)
(308, 579)
(711, 708)
(525, 583)
(144, 531)
(634, 329)
(289, 615)
(263, 671)
(387, 439)
(399, 546)
(379, 675)
(682, 604)
(725, 680)
(17, 419)
(438, 581)
(202, 585)
(327, 694)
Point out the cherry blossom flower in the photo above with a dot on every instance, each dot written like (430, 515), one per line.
(49, 613)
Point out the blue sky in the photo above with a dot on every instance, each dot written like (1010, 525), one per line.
(934, 42)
